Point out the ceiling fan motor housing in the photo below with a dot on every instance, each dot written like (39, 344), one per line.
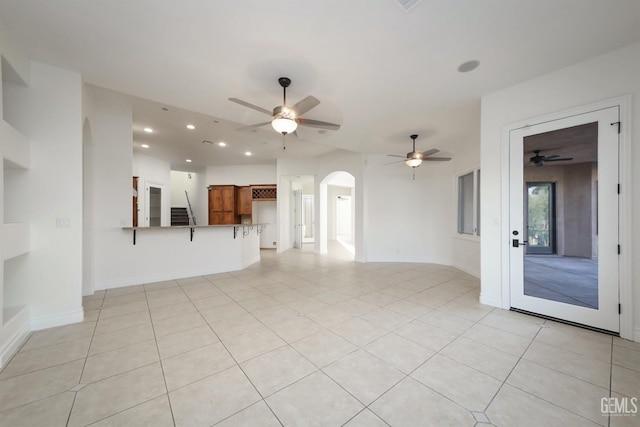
(284, 112)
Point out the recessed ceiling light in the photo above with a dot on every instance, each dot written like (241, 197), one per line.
(148, 130)
(145, 145)
(188, 160)
(216, 121)
(165, 109)
(468, 66)
(247, 153)
(222, 144)
(206, 141)
(190, 126)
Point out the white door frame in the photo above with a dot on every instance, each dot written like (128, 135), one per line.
(625, 203)
(308, 220)
(297, 219)
(606, 316)
(147, 201)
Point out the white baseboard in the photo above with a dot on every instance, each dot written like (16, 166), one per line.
(469, 270)
(489, 300)
(57, 320)
(248, 262)
(152, 278)
(13, 334)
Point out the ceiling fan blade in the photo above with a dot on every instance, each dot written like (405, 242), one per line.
(395, 155)
(393, 163)
(249, 105)
(257, 125)
(437, 159)
(560, 159)
(553, 156)
(305, 105)
(430, 152)
(318, 124)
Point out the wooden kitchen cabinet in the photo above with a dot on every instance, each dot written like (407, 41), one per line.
(229, 203)
(243, 206)
(222, 205)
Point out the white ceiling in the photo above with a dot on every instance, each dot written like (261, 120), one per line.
(380, 72)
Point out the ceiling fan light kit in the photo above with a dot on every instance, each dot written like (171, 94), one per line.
(413, 163)
(284, 120)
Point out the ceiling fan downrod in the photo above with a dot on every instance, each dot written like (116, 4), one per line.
(284, 82)
(414, 137)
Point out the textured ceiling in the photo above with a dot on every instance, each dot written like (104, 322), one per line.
(380, 72)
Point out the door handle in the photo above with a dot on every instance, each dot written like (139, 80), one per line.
(516, 243)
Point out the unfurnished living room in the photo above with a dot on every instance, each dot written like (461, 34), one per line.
(297, 213)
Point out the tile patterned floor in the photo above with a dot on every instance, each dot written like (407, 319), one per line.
(306, 340)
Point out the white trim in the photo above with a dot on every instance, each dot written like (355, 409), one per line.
(469, 270)
(14, 333)
(45, 322)
(625, 207)
(147, 201)
(467, 237)
(492, 301)
(152, 278)
(475, 218)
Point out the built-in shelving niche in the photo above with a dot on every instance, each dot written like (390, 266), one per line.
(16, 161)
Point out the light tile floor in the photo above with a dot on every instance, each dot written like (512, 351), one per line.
(306, 340)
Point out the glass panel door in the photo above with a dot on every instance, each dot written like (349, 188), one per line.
(577, 278)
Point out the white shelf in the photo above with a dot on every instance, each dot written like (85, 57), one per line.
(16, 239)
(13, 332)
(15, 146)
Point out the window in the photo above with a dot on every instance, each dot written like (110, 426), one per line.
(469, 203)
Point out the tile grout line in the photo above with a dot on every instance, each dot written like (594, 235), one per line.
(164, 379)
(237, 365)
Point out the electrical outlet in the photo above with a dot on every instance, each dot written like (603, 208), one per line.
(274, 243)
(63, 222)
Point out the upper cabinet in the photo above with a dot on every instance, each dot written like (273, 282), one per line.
(229, 203)
(243, 201)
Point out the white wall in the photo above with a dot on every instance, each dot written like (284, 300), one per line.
(194, 184)
(49, 277)
(113, 164)
(241, 175)
(607, 76)
(409, 220)
(266, 213)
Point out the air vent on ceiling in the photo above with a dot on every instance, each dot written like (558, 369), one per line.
(407, 5)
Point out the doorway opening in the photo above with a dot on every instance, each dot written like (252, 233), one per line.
(337, 215)
(153, 205)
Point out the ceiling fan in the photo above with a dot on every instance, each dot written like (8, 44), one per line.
(538, 160)
(285, 119)
(414, 158)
